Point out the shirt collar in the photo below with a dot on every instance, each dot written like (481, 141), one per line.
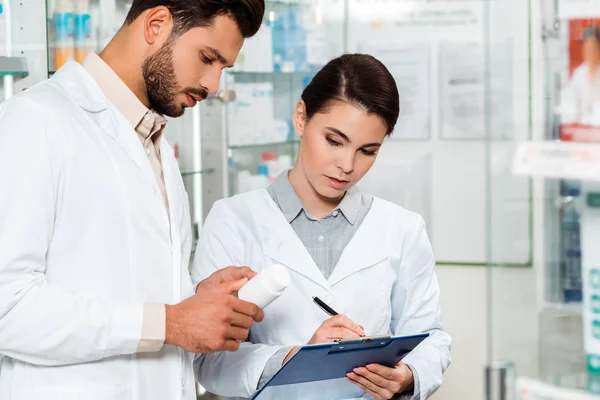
(350, 204)
(117, 92)
(287, 199)
(291, 205)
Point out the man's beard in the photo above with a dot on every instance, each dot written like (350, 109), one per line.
(161, 85)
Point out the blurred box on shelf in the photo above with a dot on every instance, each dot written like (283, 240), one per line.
(556, 159)
(534, 389)
(292, 39)
(264, 171)
(579, 133)
(256, 54)
(251, 118)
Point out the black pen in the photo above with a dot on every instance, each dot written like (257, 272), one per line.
(327, 309)
(324, 307)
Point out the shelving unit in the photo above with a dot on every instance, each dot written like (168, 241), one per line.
(259, 120)
(550, 347)
(13, 66)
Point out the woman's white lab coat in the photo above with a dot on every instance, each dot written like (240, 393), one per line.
(84, 242)
(582, 96)
(384, 281)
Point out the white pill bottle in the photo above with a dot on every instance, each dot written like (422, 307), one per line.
(267, 286)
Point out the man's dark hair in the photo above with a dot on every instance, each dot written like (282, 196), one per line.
(188, 14)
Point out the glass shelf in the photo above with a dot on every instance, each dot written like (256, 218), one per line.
(13, 66)
(14, 73)
(192, 173)
(262, 145)
(294, 3)
(264, 74)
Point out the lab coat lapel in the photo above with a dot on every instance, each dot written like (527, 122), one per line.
(366, 248)
(173, 183)
(285, 247)
(84, 90)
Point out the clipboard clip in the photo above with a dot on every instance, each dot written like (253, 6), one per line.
(366, 339)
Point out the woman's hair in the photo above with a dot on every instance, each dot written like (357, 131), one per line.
(358, 79)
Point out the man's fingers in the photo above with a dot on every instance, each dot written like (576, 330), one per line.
(231, 345)
(242, 320)
(237, 273)
(247, 308)
(237, 333)
(235, 286)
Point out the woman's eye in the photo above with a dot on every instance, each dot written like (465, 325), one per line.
(333, 142)
(368, 152)
(206, 60)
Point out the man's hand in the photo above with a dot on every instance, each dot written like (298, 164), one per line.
(211, 320)
(224, 279)
(383, 382)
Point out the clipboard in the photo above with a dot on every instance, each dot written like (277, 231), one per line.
(321, 369)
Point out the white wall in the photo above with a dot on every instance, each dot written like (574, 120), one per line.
(465, 297)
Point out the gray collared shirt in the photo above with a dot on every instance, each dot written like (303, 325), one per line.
(325, 240)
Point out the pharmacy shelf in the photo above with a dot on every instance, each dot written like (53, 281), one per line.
(558, 160)
(13, 66)
(263, 145)
(201, 172)
(291, 3)
(560, 388)
(566, 308)
(273, 74)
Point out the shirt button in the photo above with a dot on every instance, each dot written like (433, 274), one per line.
(335, 213)
(321, 238)
(147, 117)
(147, 152)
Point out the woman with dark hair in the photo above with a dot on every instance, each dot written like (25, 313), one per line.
(366, 258)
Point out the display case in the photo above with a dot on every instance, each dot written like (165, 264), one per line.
(242, 137)
(296, 39)
(543, 321)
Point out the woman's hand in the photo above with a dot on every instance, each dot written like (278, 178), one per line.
(338, 327)
(383, 382)
(335, 328)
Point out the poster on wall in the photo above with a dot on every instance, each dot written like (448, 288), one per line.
(410, 66)
(462, 90)
(405, 180)
(468, 91)
(443, 103)
(579, 107)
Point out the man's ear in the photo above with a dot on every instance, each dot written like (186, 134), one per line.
(158, 24)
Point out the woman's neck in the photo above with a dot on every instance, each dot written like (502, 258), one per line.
(317, 205)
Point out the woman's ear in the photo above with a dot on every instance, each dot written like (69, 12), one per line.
(300, 118)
